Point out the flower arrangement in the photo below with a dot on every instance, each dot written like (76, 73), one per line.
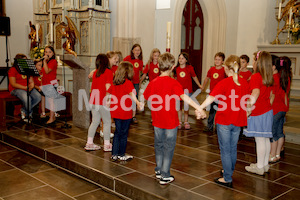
(37, 52)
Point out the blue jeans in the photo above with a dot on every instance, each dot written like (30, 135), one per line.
(211, 117)
(228, 137)
(120, 137)
(277, 128)
(164, 144)
(34, 98)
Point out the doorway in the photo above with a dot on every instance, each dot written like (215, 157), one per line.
(192, 26)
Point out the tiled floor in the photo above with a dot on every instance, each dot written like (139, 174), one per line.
(195, 164)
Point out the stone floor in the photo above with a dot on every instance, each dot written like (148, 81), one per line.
(195, 164)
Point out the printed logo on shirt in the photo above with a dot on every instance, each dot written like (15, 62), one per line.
(182, 74)
(216, 75)
(40, 78)
(24, 76)
(241, 76)
(136, 65)
(155, 70)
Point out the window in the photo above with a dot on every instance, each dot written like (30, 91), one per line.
(98, 2)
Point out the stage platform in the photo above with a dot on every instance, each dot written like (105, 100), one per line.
(195, 164)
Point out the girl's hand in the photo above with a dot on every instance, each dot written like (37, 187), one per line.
(200, 114)
(140, 106)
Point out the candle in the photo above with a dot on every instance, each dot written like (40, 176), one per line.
(279, 11)
(37, 32)
(168, 36)
(291, 15)
(51, 32)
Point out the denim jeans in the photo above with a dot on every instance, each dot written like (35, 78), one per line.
(34, 98)
(211, 117)
(228, 136)
(277, 128)
(164, 144)
(120, 137)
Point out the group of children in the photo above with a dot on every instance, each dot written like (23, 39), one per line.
(47, 67)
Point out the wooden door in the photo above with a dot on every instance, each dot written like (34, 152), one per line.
(192, 36)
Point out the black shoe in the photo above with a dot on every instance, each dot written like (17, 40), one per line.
(206, 129)
(228, 184)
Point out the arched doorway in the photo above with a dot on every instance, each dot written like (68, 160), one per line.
(192, 26)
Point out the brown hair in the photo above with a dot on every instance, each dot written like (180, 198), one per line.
(245, 57)
(166, 61)
(264, 67)
(18, 56)
(102, 63)
(233, 63)
(110, 54)
(132, 55)
(119, 53)
(52, 49)
(155, 50)
(124, 71)
(220, 54)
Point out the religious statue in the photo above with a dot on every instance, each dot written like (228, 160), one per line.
(32, 35)
(70, 32)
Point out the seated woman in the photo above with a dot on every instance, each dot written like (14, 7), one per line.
(18, 87)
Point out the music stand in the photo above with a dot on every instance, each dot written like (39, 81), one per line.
(26, 67)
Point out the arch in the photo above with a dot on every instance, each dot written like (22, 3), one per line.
(214, 29)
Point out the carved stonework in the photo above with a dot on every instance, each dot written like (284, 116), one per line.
(58, 42)
(83, 15)
(84, 34)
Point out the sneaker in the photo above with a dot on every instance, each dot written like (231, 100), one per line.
(187, 126)
(107, 147)
(266, 168)
(158, 174)
(125, 157)
(102, 135)
(91, 147)
(43, 115)
(114, 158)
(166, 180)
(134, 120)
(254, 169)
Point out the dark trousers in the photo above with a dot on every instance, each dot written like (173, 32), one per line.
(211, 117)
(120, 136)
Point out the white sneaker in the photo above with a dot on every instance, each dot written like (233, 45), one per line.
(102, 135)
(254, 169)
(166, 180)
(125, 157)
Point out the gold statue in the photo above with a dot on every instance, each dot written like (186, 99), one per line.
(70, 32)
(32, 35)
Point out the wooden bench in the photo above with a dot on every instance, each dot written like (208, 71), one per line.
(6, 97)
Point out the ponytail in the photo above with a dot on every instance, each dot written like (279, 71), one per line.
(235, 68)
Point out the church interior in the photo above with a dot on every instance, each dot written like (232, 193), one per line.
(39, 161)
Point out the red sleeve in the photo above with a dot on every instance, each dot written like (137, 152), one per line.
(146, 70)
(12, 72)
(192, 71)
(255, 82)
(141, 65)
(127, 58)
(177, 89)
(218, 89)
(209, 73)
(52, 64)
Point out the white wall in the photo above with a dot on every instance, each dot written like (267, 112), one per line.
(20, 13)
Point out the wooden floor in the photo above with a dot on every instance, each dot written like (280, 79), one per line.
(195, 164)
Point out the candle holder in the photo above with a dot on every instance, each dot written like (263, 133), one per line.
(276, 40)
(288, 41)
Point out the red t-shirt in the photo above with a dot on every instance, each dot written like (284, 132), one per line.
(279, 100)
(168, 91)
(38, 80)
(119, 109)
(137, 68)
(153, 71)
(114, 69)
(262, 104)
(47, 78)
(98, 86)
(20, 79)
(288, 92)
(246, 75)
(215, 75)
(184, 77)
(229, 113)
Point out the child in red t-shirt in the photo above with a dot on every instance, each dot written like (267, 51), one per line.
(102, 80)
(230, 117)
(162, 94)
(244, 72)
(215, 75)
(184, 75)
(260, 120)
(151, 68)
(136, 59)
(280, 104)
(122, 93)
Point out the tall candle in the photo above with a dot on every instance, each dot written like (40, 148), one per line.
(279, 11)
(37, 32)
(51, 32)
(290, 17)
(168, 35)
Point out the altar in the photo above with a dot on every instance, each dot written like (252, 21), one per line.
(293, 52)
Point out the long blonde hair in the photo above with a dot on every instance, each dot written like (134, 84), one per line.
(264, 67)
(155, 50)
(124, 71)
(233, 63)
